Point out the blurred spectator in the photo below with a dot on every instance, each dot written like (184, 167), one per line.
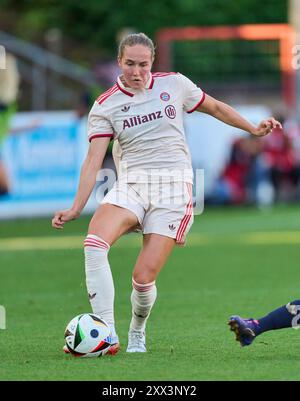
(9, 83)
(262, 171)
(242, 174)
(282, 160)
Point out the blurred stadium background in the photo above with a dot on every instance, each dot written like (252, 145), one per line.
(59, 57)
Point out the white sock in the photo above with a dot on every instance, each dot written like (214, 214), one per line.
(99, 280)
(143, 297)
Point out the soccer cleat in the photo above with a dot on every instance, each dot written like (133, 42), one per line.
(115, 346)
(66, 350)
(244, 329)
(136, 341)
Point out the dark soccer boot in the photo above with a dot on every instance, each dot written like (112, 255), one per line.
(244, 329)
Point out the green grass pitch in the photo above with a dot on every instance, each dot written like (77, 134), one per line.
(237, 261)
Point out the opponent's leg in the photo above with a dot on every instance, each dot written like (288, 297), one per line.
(156, 249)
(107, 225)
(247, 330)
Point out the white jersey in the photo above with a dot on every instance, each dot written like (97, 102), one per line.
(148, 125)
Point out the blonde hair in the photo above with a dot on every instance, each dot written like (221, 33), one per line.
(136, 39)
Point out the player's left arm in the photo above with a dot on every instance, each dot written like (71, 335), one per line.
(230, 116)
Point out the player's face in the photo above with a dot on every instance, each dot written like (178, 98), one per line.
(136, 64)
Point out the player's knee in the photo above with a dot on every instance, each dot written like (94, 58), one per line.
(145, 276)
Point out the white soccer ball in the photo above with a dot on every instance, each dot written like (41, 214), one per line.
(88, 335)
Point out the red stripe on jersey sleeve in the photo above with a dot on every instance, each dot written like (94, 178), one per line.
(107, 94)
(198, 104)
(100, 136)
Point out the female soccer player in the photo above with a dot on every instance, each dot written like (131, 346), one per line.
(144, 113)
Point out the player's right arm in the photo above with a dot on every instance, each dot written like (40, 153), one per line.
(89, 170)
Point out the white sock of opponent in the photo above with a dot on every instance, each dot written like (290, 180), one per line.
(143, 297)
(99, 280)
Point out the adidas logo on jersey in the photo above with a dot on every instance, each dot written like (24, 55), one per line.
(125, 109)
(133, 121)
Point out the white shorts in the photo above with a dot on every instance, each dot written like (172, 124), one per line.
(165, 209)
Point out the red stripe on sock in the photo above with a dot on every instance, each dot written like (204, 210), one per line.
(142, 287)
(94, 246)
(96, 242)
(90, 238)
(143, 290)
(89, 241)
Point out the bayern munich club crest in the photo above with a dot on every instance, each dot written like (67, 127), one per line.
(170, 111)
(165, 96)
